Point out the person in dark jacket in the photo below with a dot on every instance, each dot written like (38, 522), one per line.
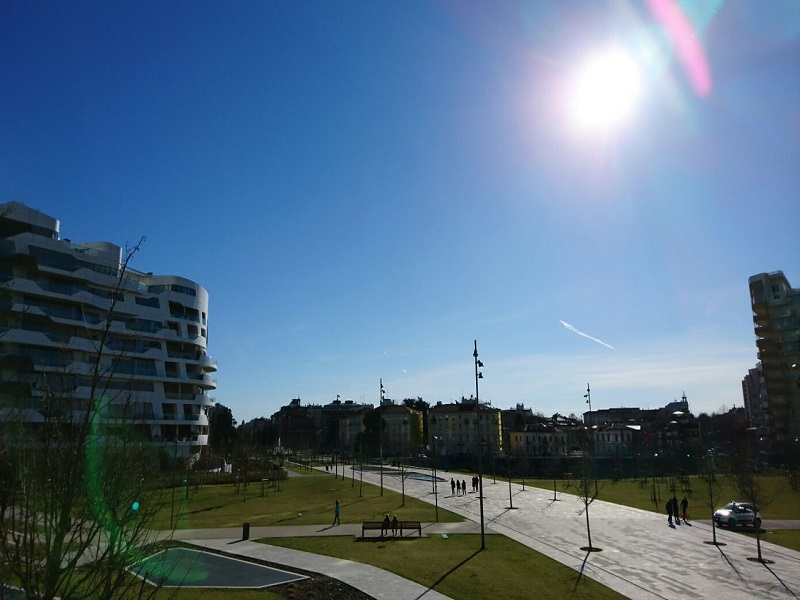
(669, 511)
(674, 502)
(385, 525)
(685, 509)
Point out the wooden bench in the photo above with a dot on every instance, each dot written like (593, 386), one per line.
(411, 526)
(401, 525)
(373, 525)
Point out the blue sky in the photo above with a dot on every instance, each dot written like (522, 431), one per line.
(365, 188)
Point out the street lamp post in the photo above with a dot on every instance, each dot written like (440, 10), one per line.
(588, 396)
(435, 480)
(380, 432)
(508, 468)
(479, 375)
(336, 445)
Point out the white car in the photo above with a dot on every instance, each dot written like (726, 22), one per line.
(738, 513)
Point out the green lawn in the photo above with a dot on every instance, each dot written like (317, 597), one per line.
(788, 538)
(785, 505)
(451, 566)
(304, 500)
(458, 568)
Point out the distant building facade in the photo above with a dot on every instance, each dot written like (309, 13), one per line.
(402, 434)
(546, 440)
(56, 299)
(465, 427)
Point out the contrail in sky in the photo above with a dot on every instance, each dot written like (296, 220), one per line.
(586, 335)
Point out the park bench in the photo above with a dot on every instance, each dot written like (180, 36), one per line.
(410, 526)
(373, 525)
(401, 525)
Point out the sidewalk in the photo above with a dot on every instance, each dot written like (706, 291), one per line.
(376, 582)
(642, 557)
(346, 529)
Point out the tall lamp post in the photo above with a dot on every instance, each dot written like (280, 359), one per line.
(435, 479)
(336, 448)
(479, 375)
(380, 432)
(588, 396)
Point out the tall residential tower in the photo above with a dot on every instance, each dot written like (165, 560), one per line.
(56, 304)
(776, 317)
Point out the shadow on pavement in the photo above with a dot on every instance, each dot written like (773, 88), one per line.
(774, 574)
(730, 563)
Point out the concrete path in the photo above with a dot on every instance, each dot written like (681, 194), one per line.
(640, 555)
(371, 580)
(346, 530)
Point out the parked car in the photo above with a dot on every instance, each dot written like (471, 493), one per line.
(737, 513)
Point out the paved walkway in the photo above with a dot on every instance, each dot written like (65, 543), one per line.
(642, 557)
(371, 580)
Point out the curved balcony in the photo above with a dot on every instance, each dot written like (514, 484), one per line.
(204, 400)
(207, 382)
(207, 363)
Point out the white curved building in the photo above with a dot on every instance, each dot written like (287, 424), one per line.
(55, 300)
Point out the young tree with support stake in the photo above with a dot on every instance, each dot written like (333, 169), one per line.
(710, 493)
(586, 481)
(745, 478)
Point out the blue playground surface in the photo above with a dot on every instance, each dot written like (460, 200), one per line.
(189, 568)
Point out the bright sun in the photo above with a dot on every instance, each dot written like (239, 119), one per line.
(605, 92)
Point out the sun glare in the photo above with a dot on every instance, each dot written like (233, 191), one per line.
(606, 91)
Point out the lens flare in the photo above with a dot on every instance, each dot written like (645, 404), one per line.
(685, 42)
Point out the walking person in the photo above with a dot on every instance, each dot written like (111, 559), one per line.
(685, 510)
(669, 511)
(675, 509)
(336, 509)
(458, 487)
(395, 524)
(464, 486)
(452, 487)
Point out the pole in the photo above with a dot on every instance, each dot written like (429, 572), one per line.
(508, 466)
(435, 481)
(402, 484)
(478, 375)
(380, 431)
(588, 397)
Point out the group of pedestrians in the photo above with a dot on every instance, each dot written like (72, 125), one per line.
(459, 488)
(677, 512)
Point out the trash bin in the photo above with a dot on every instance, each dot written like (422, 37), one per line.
(246, 531)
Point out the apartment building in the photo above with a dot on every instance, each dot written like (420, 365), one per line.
(56, 301)
(776, 320)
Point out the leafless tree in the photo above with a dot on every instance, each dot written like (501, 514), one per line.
(749, 485)
(586, 481)
(80, 488)
(710, 491)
